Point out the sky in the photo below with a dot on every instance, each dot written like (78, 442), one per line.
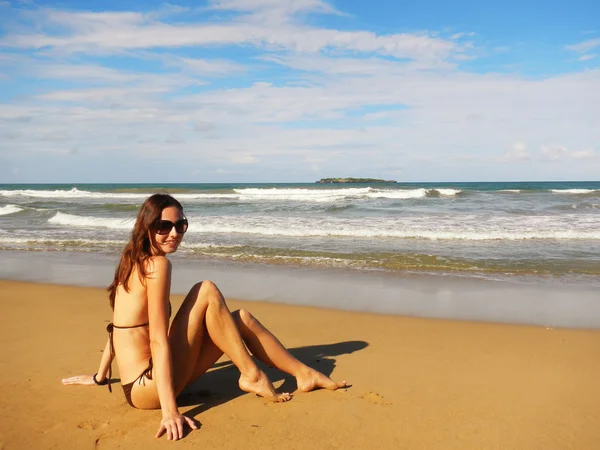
(298, 90)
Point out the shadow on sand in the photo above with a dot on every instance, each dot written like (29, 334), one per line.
(220, 385)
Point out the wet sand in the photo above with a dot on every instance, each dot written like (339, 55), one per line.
(416, 383)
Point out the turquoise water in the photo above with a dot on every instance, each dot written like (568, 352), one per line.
(472, 229)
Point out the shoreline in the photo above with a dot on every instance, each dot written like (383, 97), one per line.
(416, 383)
(535, 301)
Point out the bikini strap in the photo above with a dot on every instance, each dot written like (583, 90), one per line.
(132, 326)
(110, 327)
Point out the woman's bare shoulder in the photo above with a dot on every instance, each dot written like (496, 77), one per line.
(158, 266)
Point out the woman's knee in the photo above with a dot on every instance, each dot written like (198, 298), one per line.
(246, 318)
(203, 294)
(208, 289)
(243, 319)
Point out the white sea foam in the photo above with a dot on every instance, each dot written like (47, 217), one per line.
(467, 227)
(70, 193)
(242, 194)
(205, 196)
(334, 194)
(510, 190)
(409, 234)
(9, 209)
(574, 191)
(55, 241)
(399, 194)
(90, 221)
(75, 193)
(308, 195)
(329, 195)
(201, 245)
(471, 228)
(448, 192)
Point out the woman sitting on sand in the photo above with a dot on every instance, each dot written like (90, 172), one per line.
(156, 362)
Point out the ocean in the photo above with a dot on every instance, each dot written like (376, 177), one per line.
(469, 229)
(508, 252)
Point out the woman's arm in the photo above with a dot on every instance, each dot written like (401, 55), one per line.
(88, 379)
(158, 285)
(105, 362)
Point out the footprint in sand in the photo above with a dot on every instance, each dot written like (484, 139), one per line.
(90, 425)
(109, 440)
(374, 397)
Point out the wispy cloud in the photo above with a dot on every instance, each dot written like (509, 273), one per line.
(557, 152)
(265, 93)
(517, 152)
(585, 46)
(277, 7)
(198, 66)
(110, 31)
(586, 57)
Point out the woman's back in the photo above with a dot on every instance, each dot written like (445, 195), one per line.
(131, 336)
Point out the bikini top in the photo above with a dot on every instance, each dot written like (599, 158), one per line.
(110, 328)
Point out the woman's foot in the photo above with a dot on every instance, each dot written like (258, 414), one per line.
(310, 380)
(260, 385)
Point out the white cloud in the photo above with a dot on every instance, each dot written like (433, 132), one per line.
(557, 152)
(518, 152)
(584, 154)
(290, 7)
(586, 57)
(466, 112)
(456, 36)
(553, 152)
(242, 158)
(108, 31)
(274, 11)
(341, 104)
(89, 21)
(205, 67)
(104, 95)
(585, 46)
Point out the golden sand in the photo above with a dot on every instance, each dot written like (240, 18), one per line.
(416, 383)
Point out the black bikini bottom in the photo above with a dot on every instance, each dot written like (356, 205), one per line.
(127, 387)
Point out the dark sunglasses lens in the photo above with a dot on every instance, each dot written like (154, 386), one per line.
(181, 226)
(164, 226)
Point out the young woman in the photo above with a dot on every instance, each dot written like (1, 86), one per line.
(156, 362)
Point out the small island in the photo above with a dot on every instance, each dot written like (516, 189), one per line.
(353, 180)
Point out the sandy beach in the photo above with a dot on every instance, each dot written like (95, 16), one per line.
(416, 383)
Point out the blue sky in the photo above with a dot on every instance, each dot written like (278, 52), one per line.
(297, 90)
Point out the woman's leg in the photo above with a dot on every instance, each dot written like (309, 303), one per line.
(202, 330)
(266, 347)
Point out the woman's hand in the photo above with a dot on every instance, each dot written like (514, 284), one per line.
(85, 380)
(173, 424)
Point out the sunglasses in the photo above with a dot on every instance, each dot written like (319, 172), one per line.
(163, 227)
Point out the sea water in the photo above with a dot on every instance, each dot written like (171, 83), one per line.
(476, 231)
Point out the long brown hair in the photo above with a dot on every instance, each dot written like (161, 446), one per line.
(139, 247)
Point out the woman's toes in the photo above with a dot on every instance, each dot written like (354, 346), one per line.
(284, 397)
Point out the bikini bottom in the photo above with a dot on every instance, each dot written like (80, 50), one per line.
(127, 387)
